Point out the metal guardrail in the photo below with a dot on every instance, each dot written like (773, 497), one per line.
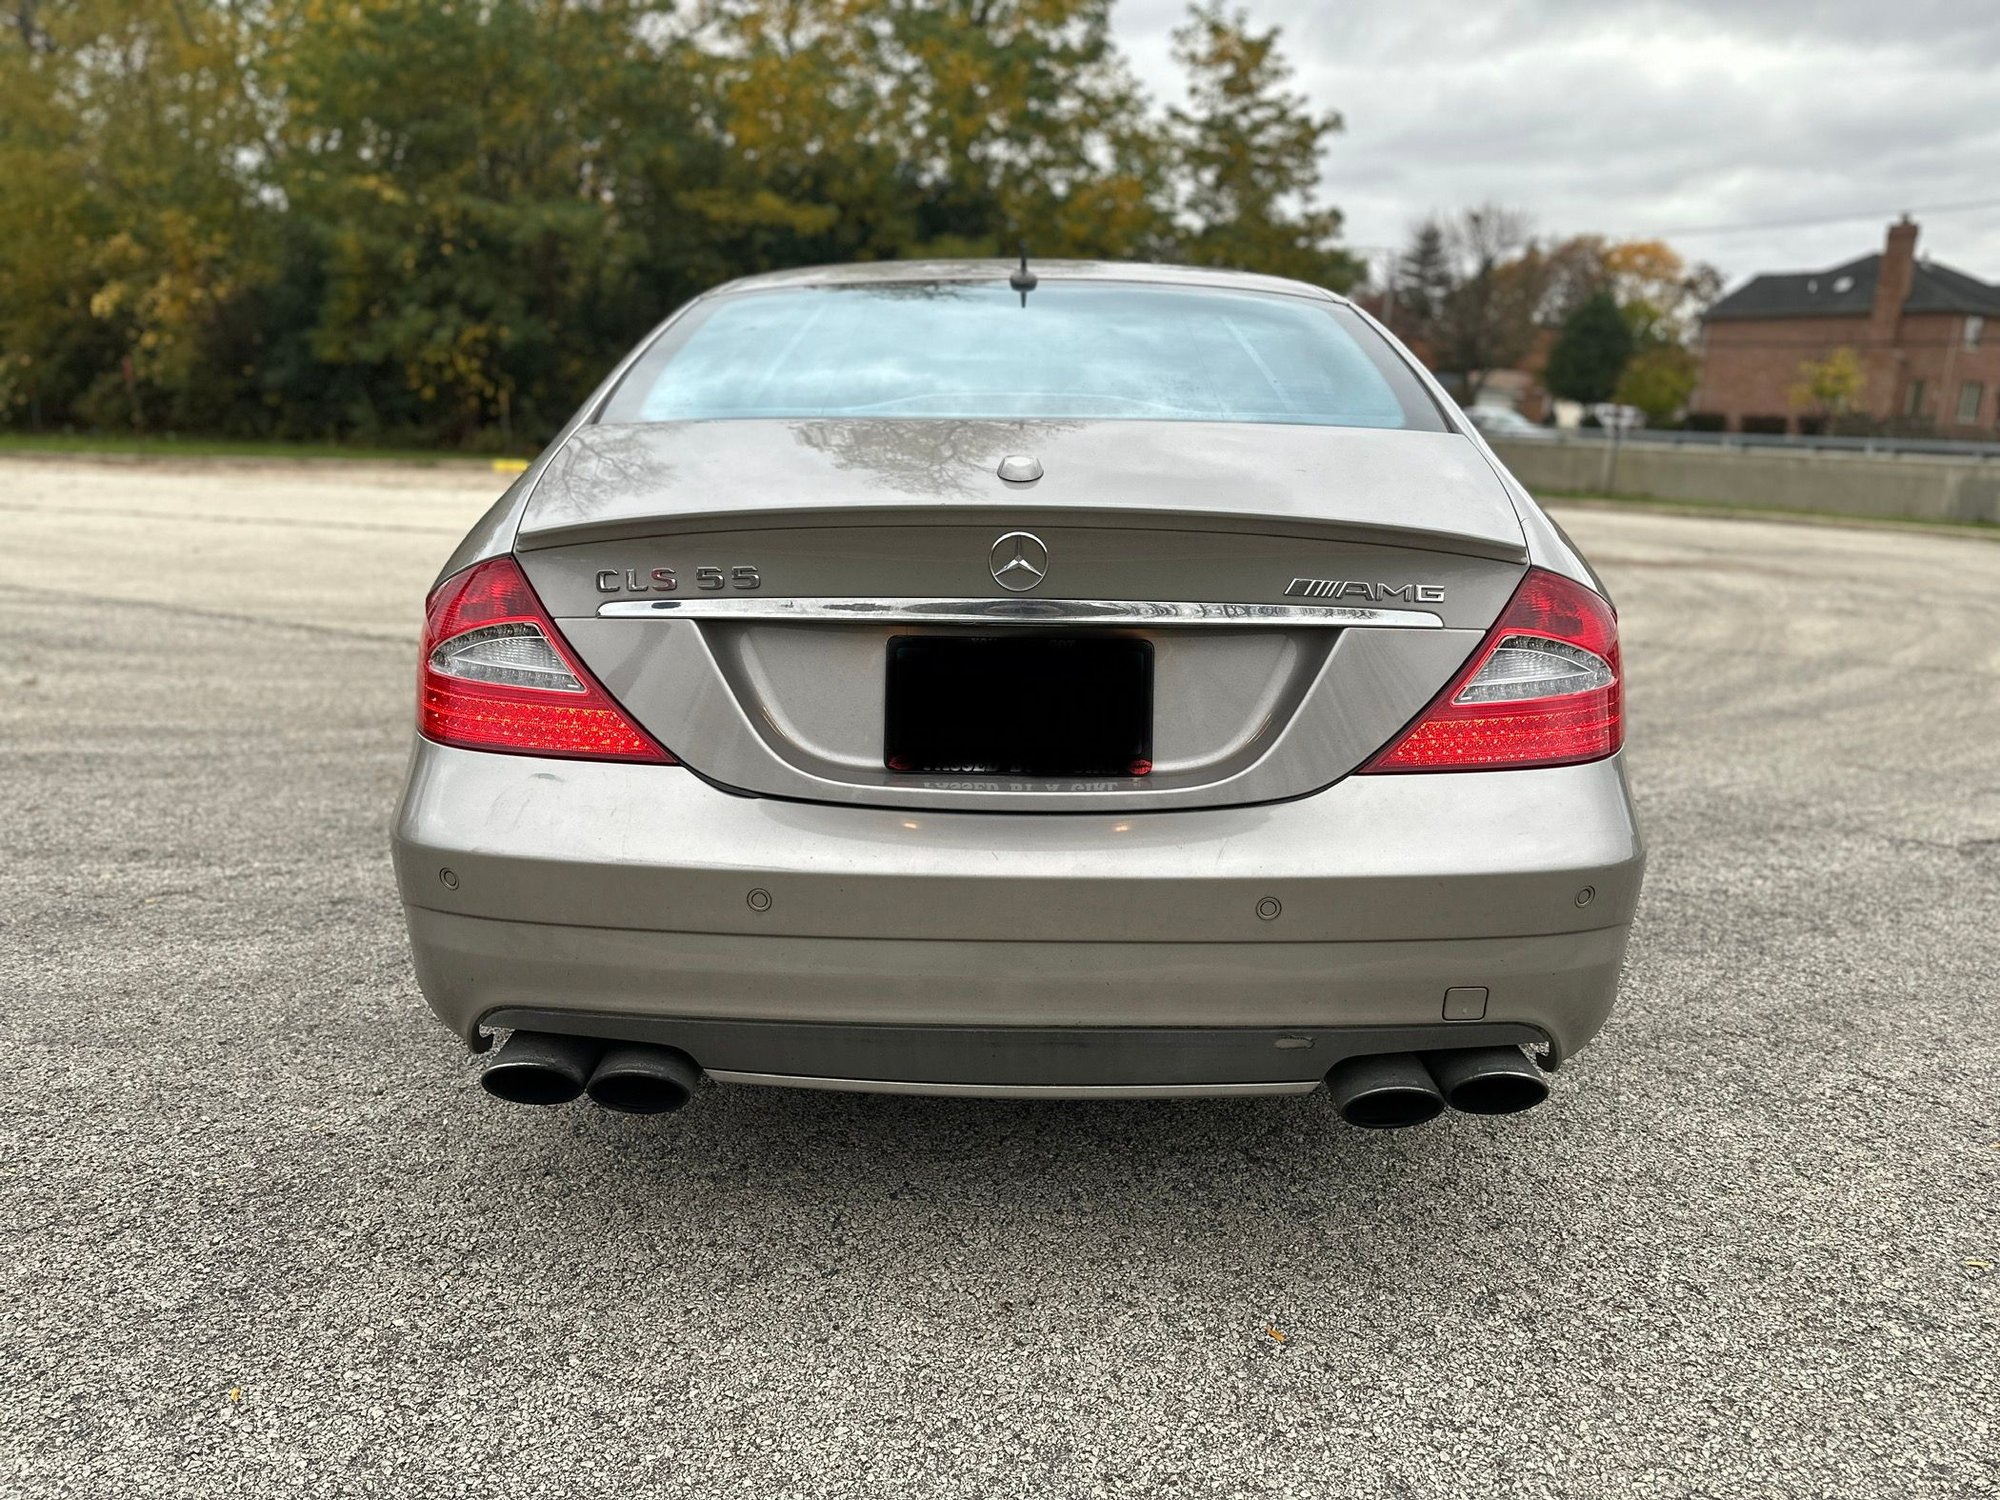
(1878, 447)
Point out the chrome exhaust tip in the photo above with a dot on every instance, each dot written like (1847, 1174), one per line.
(635, 1079)
(540, 1067)
(1488, 1080)
(1386, 1091)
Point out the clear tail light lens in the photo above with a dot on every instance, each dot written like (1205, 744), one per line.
(1543, 689)
(497, 675)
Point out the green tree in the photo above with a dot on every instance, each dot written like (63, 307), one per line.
(468, 174)
(1576, 273)
(127, 228)
(1591, 352)
(867, 129)
(1028, 127)
(442, 221)
(1661, 295)
(1658, 380)
(1423, 279)
(1829, 385)
(1482, 284)
(1247, 154)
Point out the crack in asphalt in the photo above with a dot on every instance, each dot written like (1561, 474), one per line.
(196, 612)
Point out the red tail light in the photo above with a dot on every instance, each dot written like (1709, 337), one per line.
(497, 675)
(1541, 690)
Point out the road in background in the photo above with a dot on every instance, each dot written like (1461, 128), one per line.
(261, 1233)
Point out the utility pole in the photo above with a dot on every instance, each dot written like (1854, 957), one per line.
(1612, 418)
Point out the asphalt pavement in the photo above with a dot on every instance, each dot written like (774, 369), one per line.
(262, 1234)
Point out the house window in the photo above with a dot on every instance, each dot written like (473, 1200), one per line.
(1913, 399)
(1974, 326)
(1969, 396)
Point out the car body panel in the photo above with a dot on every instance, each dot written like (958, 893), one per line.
(945, 552)
(622, 889)
(1243, 716)
(1475, 854)
(1133, 511)
(785, 906)
(1427, 489)
(1548, 544)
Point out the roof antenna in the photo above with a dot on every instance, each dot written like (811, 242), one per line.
(1023, 280)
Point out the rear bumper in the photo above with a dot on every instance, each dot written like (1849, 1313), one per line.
(802, 942)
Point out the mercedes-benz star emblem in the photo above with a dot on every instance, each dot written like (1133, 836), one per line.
(1020, 561)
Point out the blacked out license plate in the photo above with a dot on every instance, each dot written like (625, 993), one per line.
(1019, 705)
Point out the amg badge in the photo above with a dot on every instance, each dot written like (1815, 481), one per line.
(1374, 593)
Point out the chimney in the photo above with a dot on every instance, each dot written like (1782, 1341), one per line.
(1892, 281)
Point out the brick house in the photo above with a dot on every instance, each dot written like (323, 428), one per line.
(1928, 338)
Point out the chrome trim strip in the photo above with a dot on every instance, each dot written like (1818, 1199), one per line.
(1019, 1090)
(1019, 612)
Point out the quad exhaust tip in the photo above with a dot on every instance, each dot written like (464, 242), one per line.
(1488, 1080)
(540, 1067)
(635, 1079)
(1386, 1091)
(1392, 1090)
(1380, 1091)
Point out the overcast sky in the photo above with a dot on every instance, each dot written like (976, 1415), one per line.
(1651, 117)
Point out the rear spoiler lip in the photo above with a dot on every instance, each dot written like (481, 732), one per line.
(809, 515)
(1429, 490)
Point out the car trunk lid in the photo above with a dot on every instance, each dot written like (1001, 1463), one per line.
(1303, 591)
(1431, 489)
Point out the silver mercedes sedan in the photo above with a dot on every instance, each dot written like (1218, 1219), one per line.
(1069, 680)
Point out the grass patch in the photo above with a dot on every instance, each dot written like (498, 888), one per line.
(113, 445)
(1987, 529)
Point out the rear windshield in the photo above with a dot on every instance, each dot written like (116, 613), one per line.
(1078, 350)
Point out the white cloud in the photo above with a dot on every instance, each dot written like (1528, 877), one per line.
(1649, 116)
